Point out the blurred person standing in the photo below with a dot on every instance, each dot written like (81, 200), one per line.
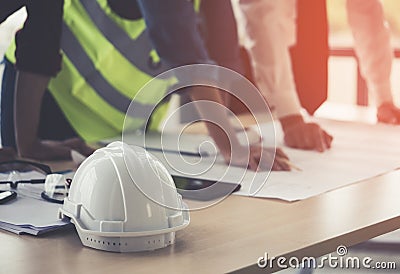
(280, 78)
(372, 43)
(271, 30)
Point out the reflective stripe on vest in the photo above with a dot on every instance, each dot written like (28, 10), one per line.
(137, 52)
(85, 66)
(104, 67)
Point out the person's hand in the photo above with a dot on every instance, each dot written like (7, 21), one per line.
(388, 113)
(302, 135)
(7, 154)
(76, 144)
(254, 157)
(56, 150)
(258, 158)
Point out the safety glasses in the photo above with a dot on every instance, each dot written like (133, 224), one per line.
(56, 188)
(20, 172)
(23, 172)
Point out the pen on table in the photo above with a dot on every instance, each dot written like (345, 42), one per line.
(185, 153)
(291, 165)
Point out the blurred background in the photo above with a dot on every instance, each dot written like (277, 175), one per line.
(342, 70)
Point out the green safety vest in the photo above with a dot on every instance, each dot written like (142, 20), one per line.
(106, 61)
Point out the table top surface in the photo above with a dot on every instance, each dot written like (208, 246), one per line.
(229, 236)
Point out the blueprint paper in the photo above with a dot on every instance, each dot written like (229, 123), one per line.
(359, 151)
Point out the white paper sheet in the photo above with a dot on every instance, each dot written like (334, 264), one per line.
(30, 211)
(32, 230)
(359, 151)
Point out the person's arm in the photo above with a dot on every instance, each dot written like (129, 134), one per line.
(38, 59)
(270, 31)
(254, 157)
(173, 31)
(10, 7)
(38, 42)
(7, 154)
(270, 27)
(29, 92)
(366, 19)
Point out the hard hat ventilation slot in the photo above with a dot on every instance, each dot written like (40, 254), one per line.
(100, 242)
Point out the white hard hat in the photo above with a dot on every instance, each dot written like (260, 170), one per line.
(108, 206)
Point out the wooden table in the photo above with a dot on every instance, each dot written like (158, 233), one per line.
(229, 236)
